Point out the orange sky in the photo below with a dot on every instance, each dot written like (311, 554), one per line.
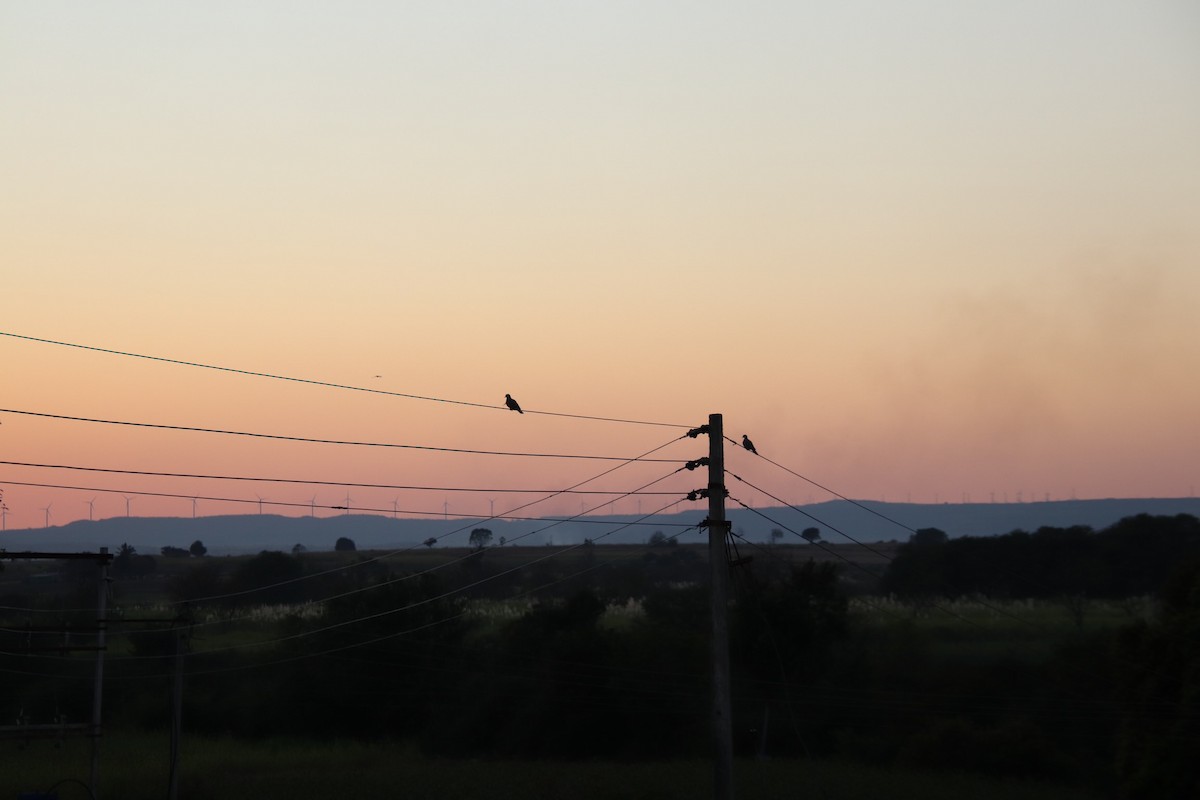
(934, 255)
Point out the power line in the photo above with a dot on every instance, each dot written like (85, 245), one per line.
(854, 564)
(836, 494)
(465, 613)
(400, 609)
(810, 516)
(554, 523)
(521, 507)
(984, 603)
(312, 440)
(305, 482)
(287, 504)
(383, 556)
(442, 596)
(865, 546)
(330, 385)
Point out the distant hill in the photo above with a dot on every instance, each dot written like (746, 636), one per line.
(867, 521)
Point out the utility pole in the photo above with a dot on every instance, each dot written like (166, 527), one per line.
(718, 529)
(98, 690)
(177, 705)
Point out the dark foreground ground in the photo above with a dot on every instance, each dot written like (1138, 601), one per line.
(136, 767)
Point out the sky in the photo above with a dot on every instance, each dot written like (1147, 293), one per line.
(928, 251)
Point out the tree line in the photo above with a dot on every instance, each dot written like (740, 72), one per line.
(1133, 557)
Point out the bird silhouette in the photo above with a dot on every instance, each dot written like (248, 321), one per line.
(512, 404)
(749, 445)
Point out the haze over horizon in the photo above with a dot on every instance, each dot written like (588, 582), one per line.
(930, 253)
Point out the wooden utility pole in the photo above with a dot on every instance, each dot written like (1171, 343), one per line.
(98, 690)
(176, 713)
(718, 529)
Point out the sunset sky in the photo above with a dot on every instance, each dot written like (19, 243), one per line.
(923, 251)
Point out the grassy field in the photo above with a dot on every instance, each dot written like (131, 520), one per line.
(134, 767)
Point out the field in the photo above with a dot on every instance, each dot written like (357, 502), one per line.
(544, 672)
(135, 767)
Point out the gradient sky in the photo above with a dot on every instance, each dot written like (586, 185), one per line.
(924, 250)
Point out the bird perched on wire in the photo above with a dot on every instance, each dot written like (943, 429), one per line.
(749, 445)
(512, 404)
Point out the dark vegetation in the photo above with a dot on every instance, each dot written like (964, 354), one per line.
(1033, 655)
(1133, 557)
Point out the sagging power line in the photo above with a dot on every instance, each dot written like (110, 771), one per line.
(328, 384)
(283, 503)
(314, 482)
(311, 440)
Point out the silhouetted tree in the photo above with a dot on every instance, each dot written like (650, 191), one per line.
(344, 544)
(782, 634)
(480, 537)
(1074, 565)
(430, 542)
(811, 535)
(174, 552)
(129, 564)
(1160, 673)
(928, 537)
(198, 549)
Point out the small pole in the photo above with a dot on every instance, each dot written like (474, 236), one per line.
(718, 528)
(176, 714)
(98, 689)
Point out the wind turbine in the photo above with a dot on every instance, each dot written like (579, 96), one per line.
(260, 501)
(91, 508)
(347, 504)
(47, 510)
(193, 508)
(395, 502)
(312, 506)
(127, 499)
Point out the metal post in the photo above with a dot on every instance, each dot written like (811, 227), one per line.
(176, 715)
(718, 528)
(98, 689)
